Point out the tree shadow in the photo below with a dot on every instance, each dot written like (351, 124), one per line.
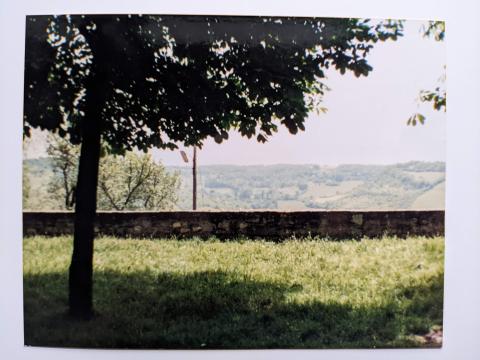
(220, 310)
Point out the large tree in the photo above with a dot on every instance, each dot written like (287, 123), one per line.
(155, 81)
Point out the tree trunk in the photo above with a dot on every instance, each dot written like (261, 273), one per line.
(81, 267)
(194, 173)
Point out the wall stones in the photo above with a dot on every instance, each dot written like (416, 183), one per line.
(254, 224)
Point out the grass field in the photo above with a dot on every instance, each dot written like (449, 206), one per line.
(240, 294)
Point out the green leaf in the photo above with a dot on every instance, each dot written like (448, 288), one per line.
(421, 118)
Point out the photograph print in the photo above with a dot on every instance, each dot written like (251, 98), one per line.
(233, 182)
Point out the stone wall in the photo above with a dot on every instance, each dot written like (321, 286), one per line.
(252, 224)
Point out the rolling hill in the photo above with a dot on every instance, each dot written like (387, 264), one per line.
(412, 185)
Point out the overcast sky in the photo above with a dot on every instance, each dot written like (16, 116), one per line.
(366, 118)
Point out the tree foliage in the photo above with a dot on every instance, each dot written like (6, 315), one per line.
(64, 157)
(435, 29)
(438, 96)
(250, 74)
(126, 182)
(136, 182)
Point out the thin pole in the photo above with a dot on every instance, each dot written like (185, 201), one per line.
(194, 172)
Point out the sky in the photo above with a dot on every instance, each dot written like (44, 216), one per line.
(366, 118)
(365, 122)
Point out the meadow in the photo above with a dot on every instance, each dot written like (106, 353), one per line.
(212, 294)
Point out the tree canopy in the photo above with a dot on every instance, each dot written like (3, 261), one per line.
(136, 182)
(167, 79)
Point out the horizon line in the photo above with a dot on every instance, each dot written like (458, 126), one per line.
(316, 164)
(289, 164)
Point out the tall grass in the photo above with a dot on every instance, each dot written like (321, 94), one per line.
(239, 294)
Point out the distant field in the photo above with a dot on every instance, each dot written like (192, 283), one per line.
(240, 294)
(326, 191)
(429, 176)
(432, 199)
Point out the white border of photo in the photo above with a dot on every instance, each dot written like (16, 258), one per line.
(462, 288)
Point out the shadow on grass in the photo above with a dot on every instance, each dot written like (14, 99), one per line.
(220, 310)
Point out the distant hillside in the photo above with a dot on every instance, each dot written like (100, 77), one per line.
(316, 187)
(412, 185)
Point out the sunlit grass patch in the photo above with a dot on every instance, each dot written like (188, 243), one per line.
(306, 293)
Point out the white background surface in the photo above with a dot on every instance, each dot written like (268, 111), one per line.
(462, 284)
